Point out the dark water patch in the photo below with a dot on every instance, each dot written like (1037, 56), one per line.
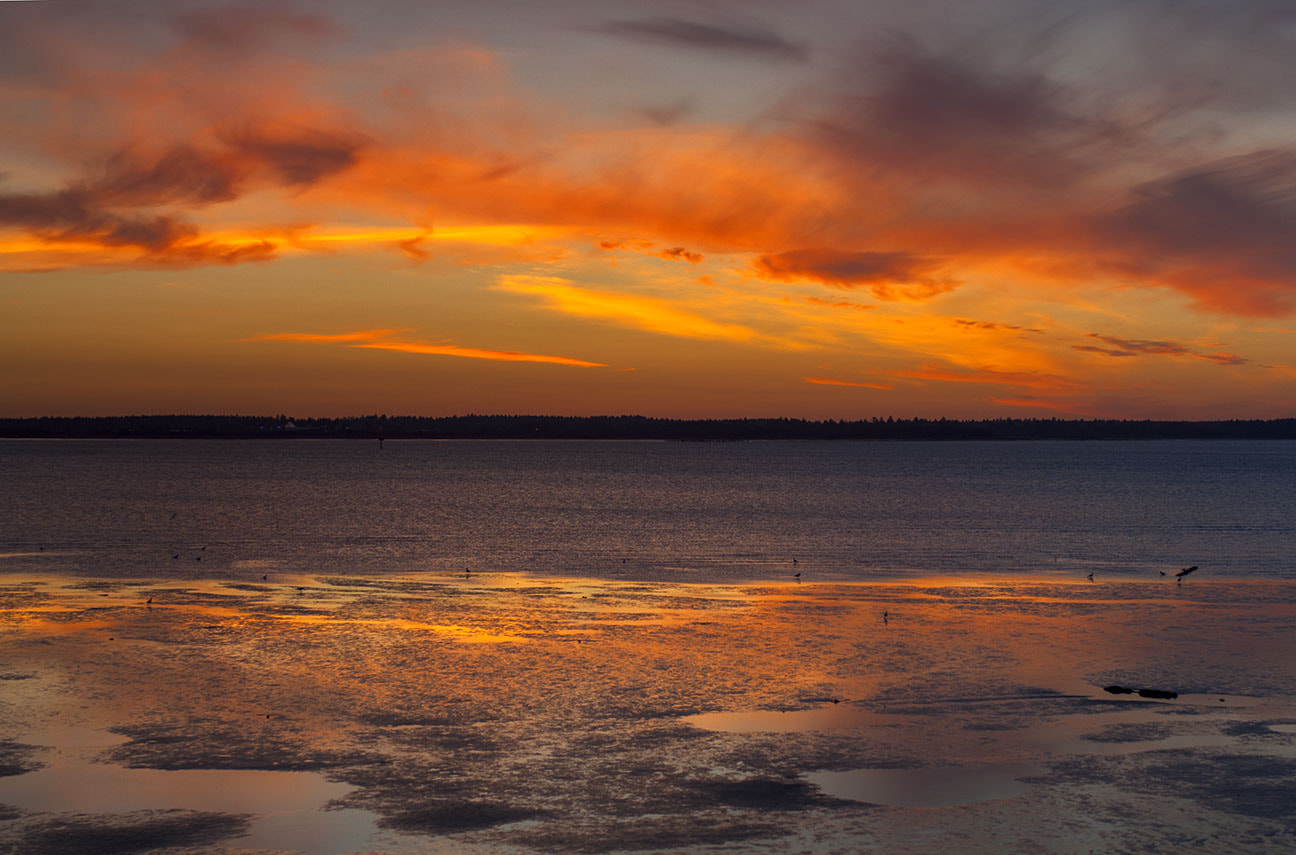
(1274, 730)
(406, 719)
(17, 758)
(264, 743)
(7, 813)
(126, 834)
(451, 816)
(16, 676)
(1246, 784)
(700, 828)
(1129, 732)
(761, 794)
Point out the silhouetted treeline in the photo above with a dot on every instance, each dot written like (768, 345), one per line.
(634, 427)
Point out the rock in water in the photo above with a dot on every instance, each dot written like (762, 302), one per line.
(1157, 693)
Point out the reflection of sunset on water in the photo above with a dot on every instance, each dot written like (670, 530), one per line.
(731, 700)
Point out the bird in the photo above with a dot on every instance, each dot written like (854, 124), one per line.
(1162, 572)
(885, 621)
(174, 557)
(1184, 572)
(173, 514)
(796, 576)
(264, 578)
(149, 601)
(1090, 577)
(794, 561)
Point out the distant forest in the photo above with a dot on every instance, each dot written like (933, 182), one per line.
(631, 427)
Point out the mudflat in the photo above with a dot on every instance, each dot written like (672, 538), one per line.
(508, 713)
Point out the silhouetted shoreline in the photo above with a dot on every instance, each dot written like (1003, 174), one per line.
(630, 427)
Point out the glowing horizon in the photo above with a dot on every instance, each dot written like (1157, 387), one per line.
(769, 212)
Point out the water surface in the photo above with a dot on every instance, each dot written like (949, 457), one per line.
(653, 510)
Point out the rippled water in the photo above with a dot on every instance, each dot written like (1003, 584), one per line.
(647, 509)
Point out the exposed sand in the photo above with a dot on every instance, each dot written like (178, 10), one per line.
(499, 713)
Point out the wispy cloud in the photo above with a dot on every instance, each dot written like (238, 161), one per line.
(754, 39)
(383, 339)
(889, 275)
(993, 376)
(476, 353)
(360, 335)
(1124, 347)
(829, 381)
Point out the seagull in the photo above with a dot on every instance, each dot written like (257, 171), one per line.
(1184, 572)
(1162, 572)
(1090, 577)
(796, 576)
(885, 622)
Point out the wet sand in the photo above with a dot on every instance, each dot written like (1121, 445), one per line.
(505, 713)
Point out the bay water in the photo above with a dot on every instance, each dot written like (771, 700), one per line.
(673, 511)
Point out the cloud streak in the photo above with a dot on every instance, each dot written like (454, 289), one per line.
(752, 40)
(889, 275)
(1124, 347)
(383, 339)
(829, 381)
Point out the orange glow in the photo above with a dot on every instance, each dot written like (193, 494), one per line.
(988, 375)
(362, 335)
(380, 340)
(648, 313)
(828, 381)
(427, 172)
(476, 353)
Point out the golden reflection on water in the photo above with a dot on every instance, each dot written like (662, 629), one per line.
(505, 709)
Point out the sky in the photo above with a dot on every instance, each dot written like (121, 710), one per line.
(825, 209)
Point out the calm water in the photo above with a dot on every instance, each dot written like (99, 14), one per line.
(647, 509)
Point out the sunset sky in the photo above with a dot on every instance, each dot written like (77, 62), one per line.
(825, 209)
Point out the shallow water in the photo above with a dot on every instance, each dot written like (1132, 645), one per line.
(651, 510)
(586, 715)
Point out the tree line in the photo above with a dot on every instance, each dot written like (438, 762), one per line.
(282, 426)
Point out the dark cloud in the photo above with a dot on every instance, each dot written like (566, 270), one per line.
(890, 275)
(300, 157)
(991, 325)
(753, 39)
(948, 118)
(1129, 346)
(122, 200)
(1126, 347)
(679, 253)
(1222, 233)
(180, 175)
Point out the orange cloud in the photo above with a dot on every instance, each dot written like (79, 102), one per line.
(1033, 380)
(890, 275)
(476, 353)
(362, 335)
(379, 339)
(828, 381)
(647, 313)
